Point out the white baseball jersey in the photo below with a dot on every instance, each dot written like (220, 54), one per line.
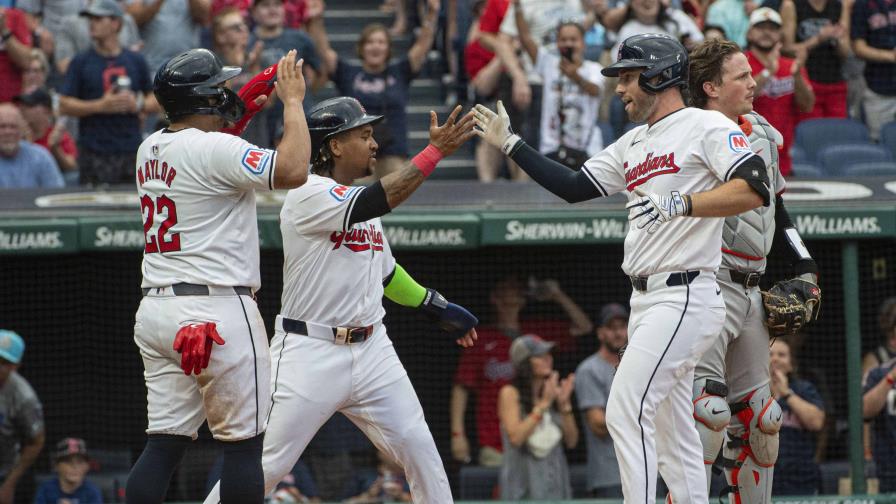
(333, 274)
(197, 195)
(689, 151)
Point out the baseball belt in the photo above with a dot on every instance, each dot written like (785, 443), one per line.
(341, 335)
(188, 289)
(747, 279)
(639, 283)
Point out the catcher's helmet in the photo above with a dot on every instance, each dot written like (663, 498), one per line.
(190, 83)
(659, 55)
(333, 116)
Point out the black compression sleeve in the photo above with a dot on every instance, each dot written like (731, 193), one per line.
(570, 185)
(783, 223)
(369, 203)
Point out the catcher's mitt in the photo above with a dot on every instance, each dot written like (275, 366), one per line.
(790, 305)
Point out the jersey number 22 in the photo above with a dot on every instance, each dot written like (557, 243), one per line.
(160, 241)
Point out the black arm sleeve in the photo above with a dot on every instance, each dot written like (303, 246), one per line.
(369, 203)
(570, 185)
(799, 263)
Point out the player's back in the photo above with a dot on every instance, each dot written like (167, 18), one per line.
(197, 198)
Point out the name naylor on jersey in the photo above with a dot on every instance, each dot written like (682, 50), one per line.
(153, 170)
(649, 168)
(358, 239)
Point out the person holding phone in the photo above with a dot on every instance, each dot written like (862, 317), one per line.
(570, 95)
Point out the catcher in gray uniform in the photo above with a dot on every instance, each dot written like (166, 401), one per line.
(735, 369)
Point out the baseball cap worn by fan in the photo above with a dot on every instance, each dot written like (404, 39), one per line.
(39, 96)
(528, 345)
(765, 15)
(69, 447)
(12, 346)
(611, 311)
(102, 8)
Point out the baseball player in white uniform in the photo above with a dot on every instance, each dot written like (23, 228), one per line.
(682, 171)
(330, 350)
(735, 368)
(201, 268)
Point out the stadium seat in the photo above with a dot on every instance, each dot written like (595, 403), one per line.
(888, 136)
(806, 170)
(478, 482)
(798, 155)
(835, 159)
(812, 135)
(871, 169)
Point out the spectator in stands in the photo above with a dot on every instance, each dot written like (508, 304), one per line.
(711, 32)
(51, 13)
(22, 163)
(297, 486)
(107, 87)
(820, 28)
(796, 471)
(784, 83)
(535, 412)
(49, 133)
(570, 94)
(733, 16)
(275, 39)
(35, 75)
(594, 376)
(71, 464)
(382, 87)
(168, 28)
(542, 17)
(389, 484)
(21, 417)
(886, 319)
(873, 40)
(879, 406)
(653, 16)
(73, 37)
(41, 38)
(485, 368)
(15, 51)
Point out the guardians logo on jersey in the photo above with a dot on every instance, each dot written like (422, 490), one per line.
(649, 168)
(359, 238)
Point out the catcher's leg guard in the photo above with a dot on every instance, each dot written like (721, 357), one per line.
(752, 448)
(712, 415)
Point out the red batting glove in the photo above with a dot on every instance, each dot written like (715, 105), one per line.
(194, 343)
(260, 85)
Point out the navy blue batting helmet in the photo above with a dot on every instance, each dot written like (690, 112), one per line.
(191, 83)
(333, 116)
(659, 55)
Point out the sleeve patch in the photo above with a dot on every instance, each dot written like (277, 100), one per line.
(341, 192)
(255, 160)
(737, 142)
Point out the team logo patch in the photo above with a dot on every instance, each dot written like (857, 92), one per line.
(341, 192)
(255, 160)
(737, 142)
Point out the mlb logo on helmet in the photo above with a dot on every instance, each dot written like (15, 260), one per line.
(255, 160)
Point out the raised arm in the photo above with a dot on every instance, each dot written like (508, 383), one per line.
(523, 32)
(144, 12)
(294, 150)
(417, 52)
(318, 33)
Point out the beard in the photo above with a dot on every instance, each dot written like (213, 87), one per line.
(642, 110)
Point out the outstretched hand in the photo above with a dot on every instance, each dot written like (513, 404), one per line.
(452, 134)
(493, 127)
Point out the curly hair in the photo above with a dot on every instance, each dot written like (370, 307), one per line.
(706, 61)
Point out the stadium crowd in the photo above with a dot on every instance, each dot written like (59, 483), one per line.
(80, 73)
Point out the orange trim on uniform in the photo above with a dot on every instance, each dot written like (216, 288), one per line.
(741, 255)
(745, 125)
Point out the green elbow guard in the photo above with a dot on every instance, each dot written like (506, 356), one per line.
(403, 289)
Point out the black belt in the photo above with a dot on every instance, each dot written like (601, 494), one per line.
(188, 289)
(341, 335)
(748, 280)
(639, 283)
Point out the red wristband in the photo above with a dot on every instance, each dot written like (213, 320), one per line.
(891, 381)
(427, 159)
(457, 434)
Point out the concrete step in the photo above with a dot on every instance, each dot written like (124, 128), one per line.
(362, 5)
(351, 22)
(423, 92)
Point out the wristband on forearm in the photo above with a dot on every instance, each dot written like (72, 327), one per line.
(511, 145)
(427, 159)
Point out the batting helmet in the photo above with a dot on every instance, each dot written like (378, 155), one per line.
(659, 55)
(333, 116)
(190, 83)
